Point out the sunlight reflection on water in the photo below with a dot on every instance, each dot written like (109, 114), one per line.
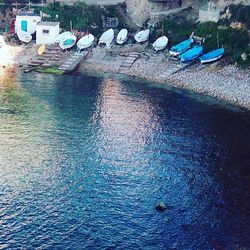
(83, 160)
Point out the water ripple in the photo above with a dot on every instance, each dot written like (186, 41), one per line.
(84, 160)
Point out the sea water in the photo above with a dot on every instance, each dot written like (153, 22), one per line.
(84, 160)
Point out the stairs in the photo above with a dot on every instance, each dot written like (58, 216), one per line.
(129, 61)
(72, 61)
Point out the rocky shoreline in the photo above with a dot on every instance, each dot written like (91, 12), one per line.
(227, 83)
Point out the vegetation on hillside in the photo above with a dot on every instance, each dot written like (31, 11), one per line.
(236, 41)
(83, 17)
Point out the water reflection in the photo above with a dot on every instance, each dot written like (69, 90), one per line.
(84, 160)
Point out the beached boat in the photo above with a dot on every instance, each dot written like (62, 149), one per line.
(68, 42)
(24, 36)
(181, 47)
(142, 36)
(85, 42)
(122, 36)
(2, 42)
(212, 55)
(161, 43)
(192, 53)
(107, 37)
(62, 36)
(41, 50)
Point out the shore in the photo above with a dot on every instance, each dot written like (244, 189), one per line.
(227, 83)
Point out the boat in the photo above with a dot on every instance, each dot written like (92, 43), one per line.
(2, 42)
(68, 42)
(192, 53)
(41, 50)
(24, 36)
(212, 55)
(85, 42)
(122, 36)
(62, 36)
(181, 47)
(107, 37)
(161, 43)
(142, 36)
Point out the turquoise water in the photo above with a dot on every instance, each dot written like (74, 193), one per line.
(84, 160)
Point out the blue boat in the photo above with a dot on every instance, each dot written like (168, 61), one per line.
(181, 47)
(192, 53)
(212, 55)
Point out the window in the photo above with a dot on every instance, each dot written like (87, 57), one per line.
(45, 32)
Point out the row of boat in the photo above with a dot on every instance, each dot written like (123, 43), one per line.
(67, 40)
(183, 50)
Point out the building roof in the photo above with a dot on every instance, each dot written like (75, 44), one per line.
(48, 23)
(27, 14)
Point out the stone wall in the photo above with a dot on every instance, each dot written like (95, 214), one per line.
(141, 10)
(91, 2)
(209, 15)
(138, 10)
(212, 9)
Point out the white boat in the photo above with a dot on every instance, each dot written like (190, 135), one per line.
(24, 36)
(68, 42)
(107, 37)
(62, 36)
(161, 43)
(122, 36)
(142, 36)
(2, 42)
(85, 42)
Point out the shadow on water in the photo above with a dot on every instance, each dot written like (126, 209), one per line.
(84, 160)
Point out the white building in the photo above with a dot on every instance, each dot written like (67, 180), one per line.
(46, 32)
(27, 22)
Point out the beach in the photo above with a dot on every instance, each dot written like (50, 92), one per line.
(224, 82)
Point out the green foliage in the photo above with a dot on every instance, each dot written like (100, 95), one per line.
(49, 70)
(239, 13)
(235, 41)
(177, 31)
(83, 16)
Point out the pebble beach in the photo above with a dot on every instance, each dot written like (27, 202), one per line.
(227, 82)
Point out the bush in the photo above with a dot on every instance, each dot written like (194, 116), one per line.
(235, 41)
(83, 16)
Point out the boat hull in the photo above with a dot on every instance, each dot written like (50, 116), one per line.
(24, 37)
(107, 37)
(161, 43)
(62, 36)
(211, 60)
(192, 54)
(142, 36)
(68, 42)
(85, 42)
(180, 48)
(212, 56)
(122, 36)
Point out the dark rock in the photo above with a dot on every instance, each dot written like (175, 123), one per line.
(160, 206)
